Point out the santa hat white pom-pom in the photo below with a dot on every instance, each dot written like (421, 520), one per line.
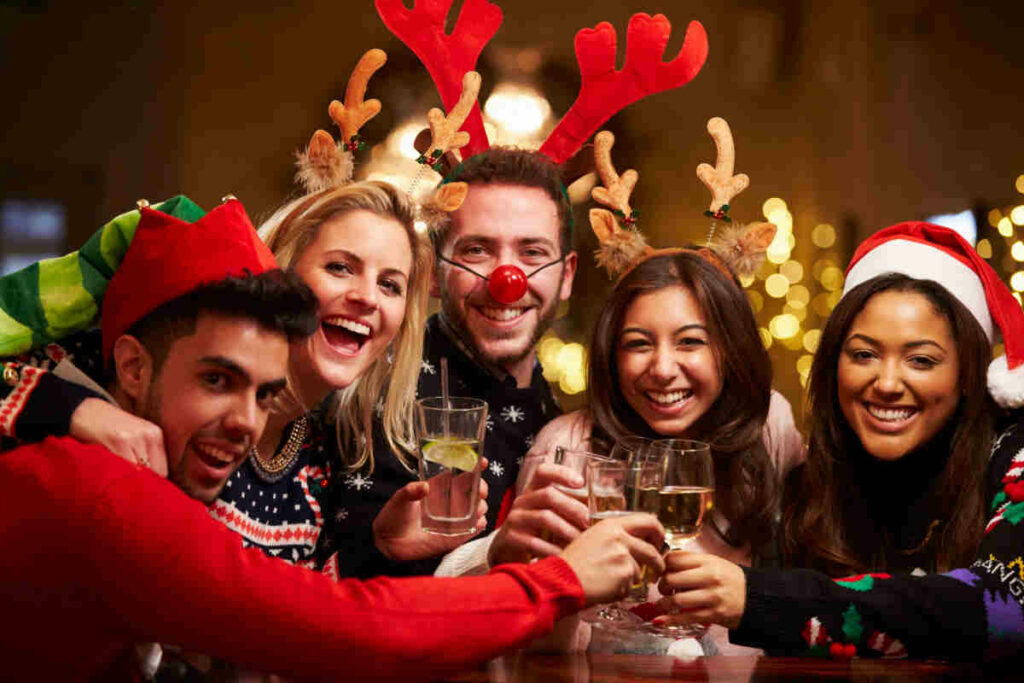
(1005, 385)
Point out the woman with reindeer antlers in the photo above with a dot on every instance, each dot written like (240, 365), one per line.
(675, 354)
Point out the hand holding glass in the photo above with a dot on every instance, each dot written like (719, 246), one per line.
(451, 438)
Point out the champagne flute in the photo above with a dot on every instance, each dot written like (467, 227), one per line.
(639, 478)
(684, 502)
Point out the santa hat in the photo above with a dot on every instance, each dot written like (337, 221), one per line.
(169, 257)
(930, 252)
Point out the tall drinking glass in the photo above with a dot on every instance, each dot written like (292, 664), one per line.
(638, 478)
(683, 503)
(451, 437)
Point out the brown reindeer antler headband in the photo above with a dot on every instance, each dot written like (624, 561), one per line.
(736, 250)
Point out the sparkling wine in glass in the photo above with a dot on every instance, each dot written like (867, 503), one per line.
(685, 499)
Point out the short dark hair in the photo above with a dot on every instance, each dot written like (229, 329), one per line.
(278, 301)
(511, 166)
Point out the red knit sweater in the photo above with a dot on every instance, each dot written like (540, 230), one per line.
(98, 554)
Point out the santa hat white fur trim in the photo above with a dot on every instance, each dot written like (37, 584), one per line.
(926, 262)
(1005, 385)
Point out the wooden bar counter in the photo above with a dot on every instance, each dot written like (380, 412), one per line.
(608, 668)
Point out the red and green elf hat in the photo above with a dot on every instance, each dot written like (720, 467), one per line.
(53, 298)
(169, 257)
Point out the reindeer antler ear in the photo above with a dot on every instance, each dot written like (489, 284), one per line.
(742, 247)
(617, 189)
(324, 163)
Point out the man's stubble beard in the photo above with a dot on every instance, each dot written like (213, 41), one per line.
(151, 411)
(457, 318)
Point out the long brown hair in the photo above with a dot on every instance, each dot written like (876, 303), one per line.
(746, 485)
(815, 534)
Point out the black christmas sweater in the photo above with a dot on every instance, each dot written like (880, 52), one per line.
(968, 613)
(515, 416)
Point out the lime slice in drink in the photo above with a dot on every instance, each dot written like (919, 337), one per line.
(459, 456)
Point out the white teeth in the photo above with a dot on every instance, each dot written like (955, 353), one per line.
(890, 414)
(502, 313)
(350, 325)
(669, 397)
(219, 454)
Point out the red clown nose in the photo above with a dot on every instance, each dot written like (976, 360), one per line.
(507, 284)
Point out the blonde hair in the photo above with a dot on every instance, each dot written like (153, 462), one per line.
(392, 377)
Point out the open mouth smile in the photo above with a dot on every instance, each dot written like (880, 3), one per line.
(219, 461)
(345, 334)
(501, 314)
(668, 402)
(890, 418)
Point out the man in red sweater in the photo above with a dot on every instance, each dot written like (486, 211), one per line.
(100, 553)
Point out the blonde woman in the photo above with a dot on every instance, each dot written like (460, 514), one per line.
(357, 249)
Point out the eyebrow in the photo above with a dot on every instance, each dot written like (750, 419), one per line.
(684, 328)
(909, 345)
(358, 260)
(233, 367)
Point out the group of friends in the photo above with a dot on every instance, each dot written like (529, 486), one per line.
(225, 465)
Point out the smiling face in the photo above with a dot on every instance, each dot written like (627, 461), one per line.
(496, 225)
(358, 266)
(667, 369)
(898, 373)
(211, 397)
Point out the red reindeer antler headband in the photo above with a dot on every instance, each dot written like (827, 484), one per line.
(603, 90)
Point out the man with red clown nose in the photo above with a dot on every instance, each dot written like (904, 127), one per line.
(505, 258)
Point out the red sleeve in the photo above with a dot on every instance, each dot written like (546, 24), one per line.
(189, 583)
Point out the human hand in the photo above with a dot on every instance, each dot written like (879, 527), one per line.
(702, 588)
(133, 438)
(398, 527)
(543, 519)
(608, 557)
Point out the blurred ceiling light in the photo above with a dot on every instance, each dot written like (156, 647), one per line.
(1019, 184)
(993, 216)
(1017, 251)
(1005, 227)
(1017, 281)
(1017, 215)
(402, 140)
(803, 364)
(793, 271)
(984, 248)
(772, 205)
(519, 109)
(776, 285)
(756, 300)
(832, 279)
(798, 296)
(766, 337)
(823, 235)
(811, 339)
(784, 326)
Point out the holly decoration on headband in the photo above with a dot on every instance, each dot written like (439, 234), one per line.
(356, 143)
(722, 214)
(629, 220)
(433, 161)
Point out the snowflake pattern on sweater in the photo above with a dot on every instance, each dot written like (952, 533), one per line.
(515, 416)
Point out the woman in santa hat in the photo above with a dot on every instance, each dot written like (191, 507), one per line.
(908, 457)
